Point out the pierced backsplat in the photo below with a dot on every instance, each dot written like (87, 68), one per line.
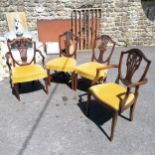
(133, 63)
(134, 59)
(69, 44)
(101, 44)
(22, 45)
(22, 48)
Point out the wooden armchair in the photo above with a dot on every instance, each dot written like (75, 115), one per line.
(66, 61)
(116, 97)
(24, 70)
(90, 70)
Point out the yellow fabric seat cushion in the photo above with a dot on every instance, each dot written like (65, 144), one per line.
(89, 70)
(111, 94)
(28, 73)
(65, 64)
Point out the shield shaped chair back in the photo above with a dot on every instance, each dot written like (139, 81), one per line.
(19, 48)
(101, 52)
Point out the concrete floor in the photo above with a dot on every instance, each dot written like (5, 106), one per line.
(55, 124)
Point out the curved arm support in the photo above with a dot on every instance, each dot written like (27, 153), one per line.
(43, 58)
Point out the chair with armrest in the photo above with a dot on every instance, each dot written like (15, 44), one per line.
(116, 97)
(25, 69)
(66, 61)
(90, 70)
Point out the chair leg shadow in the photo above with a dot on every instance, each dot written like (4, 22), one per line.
(60, 77)
(97, 114)
(128, 119)
(83, 84)
(28, 87)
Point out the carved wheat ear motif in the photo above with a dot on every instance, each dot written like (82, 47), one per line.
(133, 62)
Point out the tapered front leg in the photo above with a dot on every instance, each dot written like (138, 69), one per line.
(132, 109)
(74, 81)
(113, 126)
(46, 85)
(49, 77)
(16, 91)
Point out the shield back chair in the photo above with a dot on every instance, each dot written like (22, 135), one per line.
(24, 69)
(100, 58)
(122, 94)
(66, 61)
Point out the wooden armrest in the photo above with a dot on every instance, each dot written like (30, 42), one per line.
(43, 58)
(108, 67)
(138, 83)
(8, 56)
(103, 68)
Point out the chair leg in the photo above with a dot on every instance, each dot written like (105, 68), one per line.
(75, 80)
(114, 121)
(49, 77)
(88, 104)
(16, 91)
(132, 109)
(104, 80)
(46, 84)
(94, 82)
(11, 83)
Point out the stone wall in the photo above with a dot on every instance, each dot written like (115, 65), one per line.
(127, 20)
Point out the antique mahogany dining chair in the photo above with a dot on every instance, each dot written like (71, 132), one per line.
(100, 58)
(24, 69)
(66, 61)
(121, 96)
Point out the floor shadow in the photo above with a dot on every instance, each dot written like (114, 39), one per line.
(125, 117)
(98, 114)
(60, 77)
(35, 125)
(29, 87)
(83, 84)
(65, 78)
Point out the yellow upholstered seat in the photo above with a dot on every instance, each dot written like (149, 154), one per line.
(65, 64)
(28, 73)
(88, 70)
(111, 94)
